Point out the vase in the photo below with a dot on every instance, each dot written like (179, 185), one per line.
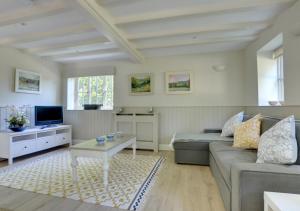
(17, 128)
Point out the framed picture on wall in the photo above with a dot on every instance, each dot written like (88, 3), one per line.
(141, 84)
(179, 82)
(27, 82)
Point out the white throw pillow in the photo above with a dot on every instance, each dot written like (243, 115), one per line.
(229, 126)
(279, 144)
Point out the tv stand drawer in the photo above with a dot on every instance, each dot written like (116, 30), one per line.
(62, 138)
(44, 143)
(23, 147)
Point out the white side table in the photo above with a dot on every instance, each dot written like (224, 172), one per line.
(281, 201)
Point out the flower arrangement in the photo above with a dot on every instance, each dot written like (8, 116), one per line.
(17, 120)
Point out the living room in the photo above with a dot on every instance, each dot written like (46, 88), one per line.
(148, 105)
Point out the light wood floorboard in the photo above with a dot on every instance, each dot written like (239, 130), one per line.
(177, 188)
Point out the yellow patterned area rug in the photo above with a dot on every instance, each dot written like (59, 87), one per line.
(129, 179)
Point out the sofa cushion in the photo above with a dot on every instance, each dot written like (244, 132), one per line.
(278, 144)
(247, 134)
(225, 156)
(197, 141)
(268, 122)
(229, 126)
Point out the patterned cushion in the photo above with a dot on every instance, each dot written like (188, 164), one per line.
(279, 144)
(229, 126)
(247, 134)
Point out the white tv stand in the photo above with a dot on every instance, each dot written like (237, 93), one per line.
(15, 144)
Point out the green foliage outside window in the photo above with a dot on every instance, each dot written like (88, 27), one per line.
(95, 90)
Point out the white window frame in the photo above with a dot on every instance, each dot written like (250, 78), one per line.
(280, 77)
(76, 105)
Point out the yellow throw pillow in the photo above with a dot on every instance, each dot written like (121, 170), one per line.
(247, 134)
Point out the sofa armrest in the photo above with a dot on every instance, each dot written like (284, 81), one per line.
(250, 180)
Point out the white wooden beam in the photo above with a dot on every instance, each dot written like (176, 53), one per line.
(195, 49)
(34, 36)
(30, 13)
(198, 42)
(105, 47)
(61, 40)
(90, 56)
(105, 23)
(209, 28)
(76, 54)
(202, 9)
(75, 44)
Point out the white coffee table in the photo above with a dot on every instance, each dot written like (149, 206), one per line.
(105, 152)
(281, 201)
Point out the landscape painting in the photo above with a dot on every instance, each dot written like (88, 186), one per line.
(140, 83)
(178, 82)
(27, 82)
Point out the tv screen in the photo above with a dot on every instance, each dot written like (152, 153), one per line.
(48, 115)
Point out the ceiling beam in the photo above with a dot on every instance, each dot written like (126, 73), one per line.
(204, 29)
(25, 38)
(195, 49)
(199, 42)
(31, 13)
(49, 48)
(72, 58)
(202, 9)
(105, 24)
(93, 52)
(116, 2)
(79, 49)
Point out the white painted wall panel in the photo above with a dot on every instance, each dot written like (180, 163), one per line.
(50, 84)
(210, 88)
(288, 24)
(90, 124)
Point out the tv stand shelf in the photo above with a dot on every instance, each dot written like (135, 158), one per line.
(14, 144)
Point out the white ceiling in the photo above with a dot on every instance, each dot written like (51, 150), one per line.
(78, 30)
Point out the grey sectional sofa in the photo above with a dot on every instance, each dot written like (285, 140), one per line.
(240, 180)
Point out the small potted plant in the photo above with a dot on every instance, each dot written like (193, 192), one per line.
(17, 122)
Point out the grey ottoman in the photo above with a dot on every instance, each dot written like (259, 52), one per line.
(193, 148)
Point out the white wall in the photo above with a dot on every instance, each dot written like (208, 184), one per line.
(210, 88)
(287, 23)
(216, 95)
(10, 59)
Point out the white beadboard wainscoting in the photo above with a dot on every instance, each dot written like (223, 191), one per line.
(275, 111)
(90, 124)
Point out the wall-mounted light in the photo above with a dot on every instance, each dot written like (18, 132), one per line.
(219, 68)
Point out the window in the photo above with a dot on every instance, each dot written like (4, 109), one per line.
(90, 90)
(270, 72)
(280, 77)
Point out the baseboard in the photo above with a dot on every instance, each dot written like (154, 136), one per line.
(77, 141)
(165, 147)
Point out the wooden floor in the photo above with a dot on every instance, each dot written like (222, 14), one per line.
(178, 188)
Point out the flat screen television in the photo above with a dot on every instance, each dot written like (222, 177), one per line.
(48, 115)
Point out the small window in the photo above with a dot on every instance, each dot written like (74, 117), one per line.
(280, 76)
(90, 90)
(270, 72)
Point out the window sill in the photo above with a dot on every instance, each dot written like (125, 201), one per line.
(90, 110)
(273, 104)
(270, 105)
